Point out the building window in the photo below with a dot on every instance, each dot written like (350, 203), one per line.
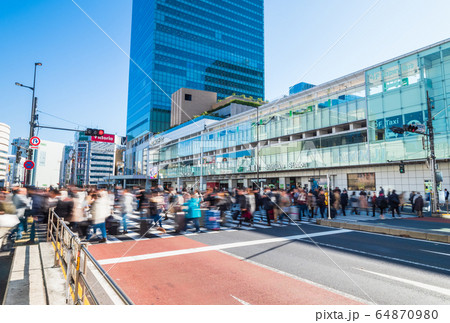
(188, 97)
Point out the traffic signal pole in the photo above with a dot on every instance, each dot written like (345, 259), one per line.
(32, 126)
(434, 196)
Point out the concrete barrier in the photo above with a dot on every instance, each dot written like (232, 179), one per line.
(352, 226)
(386, 230)
(383, 230)
(417, 235)
(437, 237)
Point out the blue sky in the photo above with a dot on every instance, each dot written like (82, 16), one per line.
(84, 77)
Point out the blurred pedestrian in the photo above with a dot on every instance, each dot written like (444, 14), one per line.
(285, 203)
(193, 212)
(418, 205)
(373, 201)
(394, 203)
(99, 211)
(354, 202)
(382, 204)
(321, 204)
(311, 202)
(344, 201)
(21, 203)
(363, 204)
(126, 205)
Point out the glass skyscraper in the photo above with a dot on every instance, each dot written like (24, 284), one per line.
(211, 45)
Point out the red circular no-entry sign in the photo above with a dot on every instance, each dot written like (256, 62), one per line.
(35, 141)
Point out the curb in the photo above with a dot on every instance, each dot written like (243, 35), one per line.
(405, 233)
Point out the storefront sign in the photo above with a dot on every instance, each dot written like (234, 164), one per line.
(104, 138)
(290, 165)
(156, 141)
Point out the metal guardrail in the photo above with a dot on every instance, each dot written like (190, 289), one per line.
(78, 265)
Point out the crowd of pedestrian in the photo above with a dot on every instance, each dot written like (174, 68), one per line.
(93, 211)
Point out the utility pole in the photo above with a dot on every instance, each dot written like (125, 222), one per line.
(32, 126)
(434, 195)
(32, 121)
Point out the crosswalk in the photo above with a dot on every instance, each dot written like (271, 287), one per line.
(231, 225)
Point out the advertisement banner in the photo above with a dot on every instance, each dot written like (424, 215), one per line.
(153, 173)
(393, 122)
(104, 138)
(361, 181)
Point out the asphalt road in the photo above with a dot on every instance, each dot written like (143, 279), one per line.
(377, 269)
(312, 264)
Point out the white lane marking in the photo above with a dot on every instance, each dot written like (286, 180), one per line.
(355, 298)
(218, 247)
(444, 291)
(381, 256)
(240, 300)
(439, 253)
(112, 239)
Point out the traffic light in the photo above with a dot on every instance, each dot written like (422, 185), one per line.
(402, 168)
(94, 132)
(18, 154)
(411, 128)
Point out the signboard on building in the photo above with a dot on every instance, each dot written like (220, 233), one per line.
(104, 138)
(361, 181)
(153, 173)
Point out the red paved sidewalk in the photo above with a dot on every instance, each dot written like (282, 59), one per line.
(205, 278)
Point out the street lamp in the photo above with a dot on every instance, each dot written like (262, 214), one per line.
(33, 117)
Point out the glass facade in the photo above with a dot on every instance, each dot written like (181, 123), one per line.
(212, 45)
(343, 123)
(315, 116)
(397, 95)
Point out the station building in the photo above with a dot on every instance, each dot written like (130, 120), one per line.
(340, 129)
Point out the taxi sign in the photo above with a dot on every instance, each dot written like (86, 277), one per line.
(35, 141)
(29, 164)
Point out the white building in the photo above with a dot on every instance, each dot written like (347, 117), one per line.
(4, 148)
(47, 159)
(95, 158)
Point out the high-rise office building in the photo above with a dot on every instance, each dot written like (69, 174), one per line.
(210, 45)
(4, 148)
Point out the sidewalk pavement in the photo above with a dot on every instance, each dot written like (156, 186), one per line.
(33, 279)
(408, 225)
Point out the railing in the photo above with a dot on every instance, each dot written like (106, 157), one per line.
(87, 283)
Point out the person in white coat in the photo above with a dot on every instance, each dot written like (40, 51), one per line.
(126, 204)
(100, 211)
